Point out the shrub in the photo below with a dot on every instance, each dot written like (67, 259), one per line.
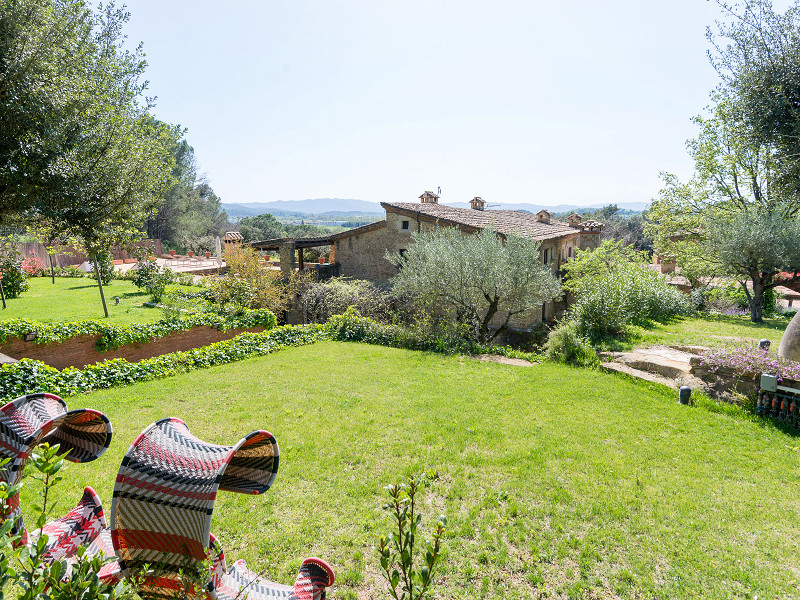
(69, 271)
(249, 285)
(28, 376)
(566, 345)
(114, 336)
(747, 360)
(151, 277)
(352, 327)
(607, 302)
(730, 299)
(33, 265)
(12, 275)
(322, 300)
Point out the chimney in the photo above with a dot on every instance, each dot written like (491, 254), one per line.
(574, 220)
(477, 203)
(429, 198)
(543, 216)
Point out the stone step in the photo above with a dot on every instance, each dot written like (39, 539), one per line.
(618, 367)
(7, 360)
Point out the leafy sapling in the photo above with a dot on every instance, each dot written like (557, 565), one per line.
(398, 549)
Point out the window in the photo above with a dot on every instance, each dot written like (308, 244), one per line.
(544, 255)
(404, 225)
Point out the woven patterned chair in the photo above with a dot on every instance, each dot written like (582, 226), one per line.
(43, 418)
(80, 527)
(161, 514)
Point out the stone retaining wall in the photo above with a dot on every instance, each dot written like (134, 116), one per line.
(723, 380)
(81, 351)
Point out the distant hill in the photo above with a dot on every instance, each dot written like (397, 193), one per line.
(339, 207)
(336, 206)
(554, 208)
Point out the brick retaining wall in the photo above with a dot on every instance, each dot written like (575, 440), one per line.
(81, 351)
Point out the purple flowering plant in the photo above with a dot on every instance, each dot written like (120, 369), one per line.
(747, 360)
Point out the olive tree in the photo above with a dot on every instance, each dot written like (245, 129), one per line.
(719, 222)
(486, 278)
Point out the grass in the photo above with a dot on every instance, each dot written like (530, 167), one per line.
(557, 482)
(703, 330)
(73, 299)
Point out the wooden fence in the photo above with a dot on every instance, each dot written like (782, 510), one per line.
(70, 256)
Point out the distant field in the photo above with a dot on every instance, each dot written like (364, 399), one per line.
(556, 482)
(72, 299)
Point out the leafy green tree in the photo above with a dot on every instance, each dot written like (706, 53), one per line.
(483, 277)
(715, 223)
(609, 256)
(47, 55)
(756, 246)
(756, 51)
(79, 149)
(191, 215)
(261, 227)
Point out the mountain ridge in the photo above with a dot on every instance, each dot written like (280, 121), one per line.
(351, 206)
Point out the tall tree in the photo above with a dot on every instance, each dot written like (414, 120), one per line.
(81, 151)
(485, 279)
(719, 222)
(756, 51)
(191, 215)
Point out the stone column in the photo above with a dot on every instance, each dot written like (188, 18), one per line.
(286, 251)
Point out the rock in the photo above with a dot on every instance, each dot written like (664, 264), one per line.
(790, 342)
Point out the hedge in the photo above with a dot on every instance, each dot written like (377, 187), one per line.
(352, 327)
(28, 376)
(114, 336)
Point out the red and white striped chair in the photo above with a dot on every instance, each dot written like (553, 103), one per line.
(161, 514)
(43, 418)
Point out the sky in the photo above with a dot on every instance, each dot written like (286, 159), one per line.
(571, 102)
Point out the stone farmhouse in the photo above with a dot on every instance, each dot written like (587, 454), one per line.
(360, 252)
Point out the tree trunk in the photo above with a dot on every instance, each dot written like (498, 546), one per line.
(2, 294)
(100, 283)
(52, 269)
(757, 300)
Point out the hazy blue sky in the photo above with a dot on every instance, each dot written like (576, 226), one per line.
(515, 101)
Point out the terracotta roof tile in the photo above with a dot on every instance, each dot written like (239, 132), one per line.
(507, 222)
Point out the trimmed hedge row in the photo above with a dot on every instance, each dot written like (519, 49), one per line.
(114, 336)
(28, 376)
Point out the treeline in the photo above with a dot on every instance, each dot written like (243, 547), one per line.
(267, 227)
(621, 224)
(191, 214)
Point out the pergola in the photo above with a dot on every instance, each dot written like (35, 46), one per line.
(287, 246)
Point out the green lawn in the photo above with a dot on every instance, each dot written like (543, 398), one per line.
(703, 330)
(557, 482)
(73, 299)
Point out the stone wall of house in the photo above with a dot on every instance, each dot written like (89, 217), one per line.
(589, 240)
(81, 350)
(362, 256)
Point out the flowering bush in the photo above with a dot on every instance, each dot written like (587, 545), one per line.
(749, 361)
(33, 265)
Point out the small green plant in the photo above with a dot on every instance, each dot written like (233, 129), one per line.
(12, 275)
(567, 345)
(398, 549)
(152, 278)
